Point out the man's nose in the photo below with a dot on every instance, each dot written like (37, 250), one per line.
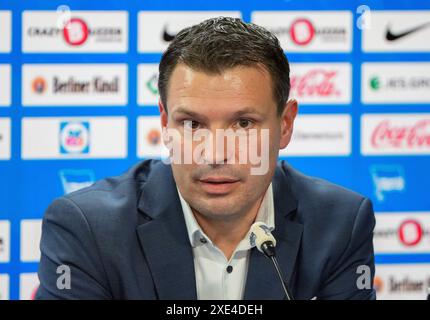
(218, 151)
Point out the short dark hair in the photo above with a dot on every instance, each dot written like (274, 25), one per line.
(221, 43)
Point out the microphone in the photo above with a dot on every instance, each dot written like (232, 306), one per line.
(262, 238)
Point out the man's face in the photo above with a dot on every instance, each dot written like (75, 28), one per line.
(216, 184)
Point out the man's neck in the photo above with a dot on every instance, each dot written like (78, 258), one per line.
(227, 234)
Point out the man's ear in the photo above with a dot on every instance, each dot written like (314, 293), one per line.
(287, 122)
(163, 113)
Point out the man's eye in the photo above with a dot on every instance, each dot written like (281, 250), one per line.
(244, 123)
(191, 124)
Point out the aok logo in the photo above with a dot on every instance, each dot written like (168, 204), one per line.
(151, 84)
(399, 83)
(74, 137)
(375, 83)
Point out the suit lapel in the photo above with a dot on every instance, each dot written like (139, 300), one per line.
(164, 237)
(262, 279)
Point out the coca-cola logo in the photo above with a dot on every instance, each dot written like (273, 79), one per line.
(410, 232)
(315, 83)
(388, 135)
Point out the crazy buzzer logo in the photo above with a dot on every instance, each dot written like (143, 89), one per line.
(75, 32)
(410, 232)
(74, 137)
(302, 31)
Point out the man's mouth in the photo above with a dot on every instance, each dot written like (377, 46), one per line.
(219, 180)
(218, 185)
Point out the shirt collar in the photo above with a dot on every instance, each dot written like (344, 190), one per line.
(266, 214)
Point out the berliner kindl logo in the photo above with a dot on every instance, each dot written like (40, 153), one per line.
(74, 137)
(38, 85)
(154, 137)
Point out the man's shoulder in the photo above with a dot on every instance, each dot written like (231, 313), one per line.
(317, 186)
(125, 185)
(335, 220)
(320, 198)
(113, 198)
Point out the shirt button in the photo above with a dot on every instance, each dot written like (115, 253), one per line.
(229, 269)
(203, 240)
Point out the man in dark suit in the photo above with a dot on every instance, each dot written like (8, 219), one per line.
(181, 230)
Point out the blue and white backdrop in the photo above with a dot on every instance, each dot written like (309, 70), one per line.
(79, 103)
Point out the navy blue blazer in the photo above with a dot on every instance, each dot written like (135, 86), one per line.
(125, 238)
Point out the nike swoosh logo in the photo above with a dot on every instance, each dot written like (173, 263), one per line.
(394, 36)
(167, 36)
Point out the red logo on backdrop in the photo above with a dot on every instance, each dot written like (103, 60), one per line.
(38, 85)
(302, 31)
(388, 135)
(378, 284)
(410, 232)
(316, 82)
(153, 137)
(75, 32)
(34, 293)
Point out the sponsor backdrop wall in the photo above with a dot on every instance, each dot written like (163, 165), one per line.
(78, 102)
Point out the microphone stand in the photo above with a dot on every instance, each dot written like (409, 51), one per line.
(269, 251)
(288, 295)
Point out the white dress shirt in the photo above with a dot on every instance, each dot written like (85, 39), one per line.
(216, 277)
